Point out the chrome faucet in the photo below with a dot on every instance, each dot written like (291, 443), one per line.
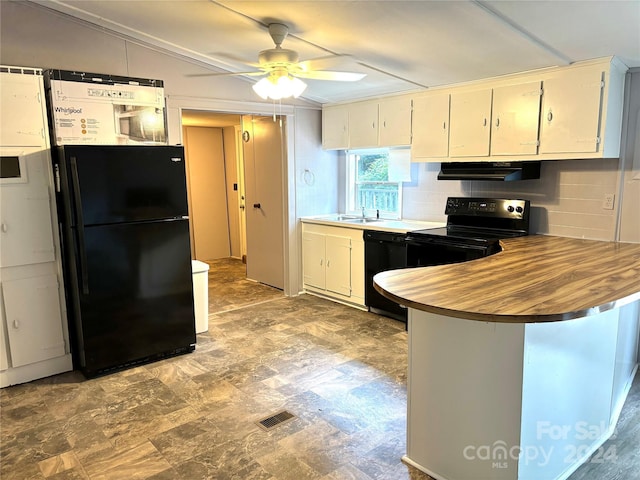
(362, 212)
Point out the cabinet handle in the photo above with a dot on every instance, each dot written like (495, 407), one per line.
(444, 125)
(498, 122)
(549, 116)
(327, 263)
(320, 262)
(484, 124)
(4, 228)
(16, 324)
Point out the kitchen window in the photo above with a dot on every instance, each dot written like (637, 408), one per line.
(374, 181)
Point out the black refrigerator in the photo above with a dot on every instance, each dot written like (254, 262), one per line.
(126, 254)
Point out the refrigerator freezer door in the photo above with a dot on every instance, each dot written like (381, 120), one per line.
(120, 184)
(140, 296)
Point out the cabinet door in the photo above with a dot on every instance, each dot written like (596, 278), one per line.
(394, 122)
(4, 346)
(430, 125)
(335, 131)
(21, 116)
(34, 322)
(25, 224)
(338, 271)
(571, 106)
(515, 117)
(313, 262)
(363, 125)
(470, 124)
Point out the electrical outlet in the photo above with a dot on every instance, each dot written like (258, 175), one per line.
(608, 201)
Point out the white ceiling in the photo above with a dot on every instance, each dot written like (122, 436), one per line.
(400, 45)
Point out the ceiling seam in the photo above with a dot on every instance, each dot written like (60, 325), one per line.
(521, 31)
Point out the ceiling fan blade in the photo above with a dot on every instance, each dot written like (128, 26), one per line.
(321, 63)
(227, 74)
(222, 56)
(328, 75)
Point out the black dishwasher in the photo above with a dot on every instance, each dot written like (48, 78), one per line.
(383, 251)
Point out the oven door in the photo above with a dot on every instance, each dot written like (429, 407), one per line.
(428, 251)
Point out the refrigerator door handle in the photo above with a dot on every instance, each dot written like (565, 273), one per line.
(82, 254)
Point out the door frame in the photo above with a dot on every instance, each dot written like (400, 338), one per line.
(242, 195)
(176, 104)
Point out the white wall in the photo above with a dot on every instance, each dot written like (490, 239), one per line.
(630, 201)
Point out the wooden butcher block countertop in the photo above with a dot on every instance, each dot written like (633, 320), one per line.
(533, 279)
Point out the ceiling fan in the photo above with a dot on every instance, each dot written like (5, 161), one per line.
(282, 69)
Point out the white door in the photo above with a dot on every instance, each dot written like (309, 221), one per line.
(430, 126)
(207, 192)
(263, 160)
(34, 323)
(313, 259)
(338, 258)
(363, 124)
(571, 105)
(515, 117)
(470, 124)
(26, 232)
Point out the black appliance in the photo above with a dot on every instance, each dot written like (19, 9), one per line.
(494, 171)
(383, 251)
(474, 229)
(126, 253)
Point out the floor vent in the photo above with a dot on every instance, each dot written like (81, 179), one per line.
(273, 421)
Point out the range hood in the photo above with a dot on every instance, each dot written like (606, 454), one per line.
(495, 171)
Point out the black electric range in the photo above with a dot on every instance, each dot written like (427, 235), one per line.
(474, 229)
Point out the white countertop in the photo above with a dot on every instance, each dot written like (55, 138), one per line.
(400, 226)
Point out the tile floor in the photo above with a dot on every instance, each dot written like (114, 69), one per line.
(341, 371)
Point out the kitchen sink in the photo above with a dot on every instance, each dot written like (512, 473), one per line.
(353, 219)
(361, 220)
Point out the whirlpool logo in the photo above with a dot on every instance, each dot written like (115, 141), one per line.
(68, 110)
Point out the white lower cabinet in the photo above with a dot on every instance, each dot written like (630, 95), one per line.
(27, 302)
(333, 262)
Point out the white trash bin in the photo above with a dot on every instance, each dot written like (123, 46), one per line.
(200, 272)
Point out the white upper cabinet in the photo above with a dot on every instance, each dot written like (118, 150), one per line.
(430, 126)
(470, 129)
(335, 127)
(376, 123)
(514, 119)
(22, 111)
(572, 112)
(571, 106)
(394, 116)
(363, 125)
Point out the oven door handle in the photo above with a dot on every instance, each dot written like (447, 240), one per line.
(427, 241)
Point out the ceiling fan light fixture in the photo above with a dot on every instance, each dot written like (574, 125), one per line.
(279, 87)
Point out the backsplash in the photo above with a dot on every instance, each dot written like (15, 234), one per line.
(566, 199)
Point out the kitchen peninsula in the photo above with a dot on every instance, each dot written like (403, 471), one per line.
(519, 363)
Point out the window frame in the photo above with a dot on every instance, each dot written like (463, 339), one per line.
(351, 186)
